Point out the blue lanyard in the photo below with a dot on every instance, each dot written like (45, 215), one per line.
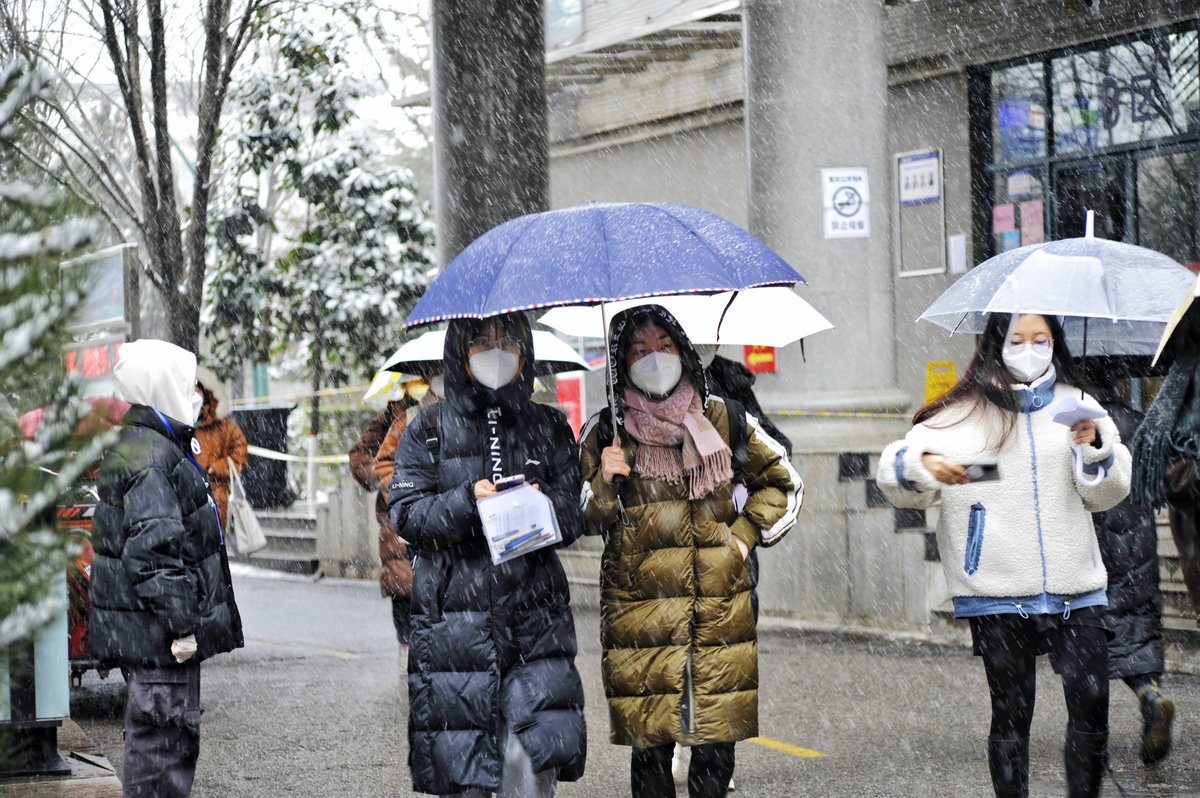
(199, 470)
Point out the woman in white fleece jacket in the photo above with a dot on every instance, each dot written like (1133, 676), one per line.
(1020, 553)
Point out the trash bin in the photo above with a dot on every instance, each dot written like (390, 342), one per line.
(34, 696)
(265, 479)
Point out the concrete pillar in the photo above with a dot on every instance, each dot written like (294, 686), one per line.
(816, 97)
(489, 116)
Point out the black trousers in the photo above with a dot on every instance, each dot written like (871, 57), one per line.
(162, 731)
(1078, 646)
(709, 773)
(1009, 646)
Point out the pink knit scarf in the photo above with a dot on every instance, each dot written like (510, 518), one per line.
(674, 437)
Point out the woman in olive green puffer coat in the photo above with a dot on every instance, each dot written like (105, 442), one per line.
(680, 662)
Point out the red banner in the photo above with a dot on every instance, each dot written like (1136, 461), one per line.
(570, 399)
(760, 359)
(92, 360)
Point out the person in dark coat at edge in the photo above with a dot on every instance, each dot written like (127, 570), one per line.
(1128, 538)
(161, 592)
(1167, 448)
(495, 701)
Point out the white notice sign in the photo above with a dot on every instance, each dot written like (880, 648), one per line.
(847, 202)
(919, 177)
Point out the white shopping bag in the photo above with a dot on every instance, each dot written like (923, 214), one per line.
(247, 533)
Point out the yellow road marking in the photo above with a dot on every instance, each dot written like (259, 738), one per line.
(331, 652)
(787, 748)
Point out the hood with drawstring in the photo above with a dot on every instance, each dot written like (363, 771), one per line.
(470, 397)
(157, 374)
(620, 331)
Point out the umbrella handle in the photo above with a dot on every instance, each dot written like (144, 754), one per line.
(1084, 479)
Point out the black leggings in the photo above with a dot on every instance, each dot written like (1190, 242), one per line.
(708, 774)
(1009, 645)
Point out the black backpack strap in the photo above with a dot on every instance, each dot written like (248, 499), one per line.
(433, 438)
(604, 427)
(738, 435)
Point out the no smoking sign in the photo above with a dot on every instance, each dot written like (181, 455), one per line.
(846, 201)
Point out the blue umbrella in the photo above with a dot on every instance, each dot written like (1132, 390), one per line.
(598, 253)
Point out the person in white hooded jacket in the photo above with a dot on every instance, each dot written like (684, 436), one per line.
(1020, 552)
(161, 592)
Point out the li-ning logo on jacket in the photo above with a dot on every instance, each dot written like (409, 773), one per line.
(494, 456)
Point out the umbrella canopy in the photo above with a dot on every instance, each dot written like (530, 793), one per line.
(1122, 293)
(1177, 318)
(769, 316)
(551, 354)
(599, 253)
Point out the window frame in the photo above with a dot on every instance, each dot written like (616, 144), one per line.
(985, 169)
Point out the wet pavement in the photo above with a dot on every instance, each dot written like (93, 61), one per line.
(315, 705)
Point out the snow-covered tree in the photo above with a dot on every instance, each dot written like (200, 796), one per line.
(38, 462)
(321, 245)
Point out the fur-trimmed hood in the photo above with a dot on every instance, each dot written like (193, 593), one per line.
(216, 386)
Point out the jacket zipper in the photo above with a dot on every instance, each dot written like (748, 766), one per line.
(1037, 506)
(688, 708)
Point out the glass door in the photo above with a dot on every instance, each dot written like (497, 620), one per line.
(1098, 186)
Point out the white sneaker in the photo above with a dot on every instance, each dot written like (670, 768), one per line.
(679, 765)
(731, 786)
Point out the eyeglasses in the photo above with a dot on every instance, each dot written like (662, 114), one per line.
(1040, 345)
(508, 343)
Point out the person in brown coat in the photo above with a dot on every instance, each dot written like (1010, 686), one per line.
(372, 459)
(220, 440)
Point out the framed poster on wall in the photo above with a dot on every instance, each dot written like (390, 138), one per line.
(920, 213)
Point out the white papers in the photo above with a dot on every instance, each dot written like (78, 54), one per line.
(1071, 409)
(518, 521)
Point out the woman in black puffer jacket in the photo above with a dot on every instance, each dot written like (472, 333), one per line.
(1129, 546)
(495, 701)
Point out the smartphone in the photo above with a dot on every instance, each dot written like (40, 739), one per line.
(982, 472)
(504, 483)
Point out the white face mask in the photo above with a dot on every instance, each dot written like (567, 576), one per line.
(657, 373)
(707, 353)
(1027, 362)
(197, 406)
(494, 368)
(437, 386)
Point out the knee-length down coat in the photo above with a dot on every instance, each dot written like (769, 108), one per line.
(493, 646)
(680, 660)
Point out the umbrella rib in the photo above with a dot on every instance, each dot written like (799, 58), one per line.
(608, 260)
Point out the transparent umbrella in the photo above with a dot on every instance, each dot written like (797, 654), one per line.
(1119, 295)
(1113, 298)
